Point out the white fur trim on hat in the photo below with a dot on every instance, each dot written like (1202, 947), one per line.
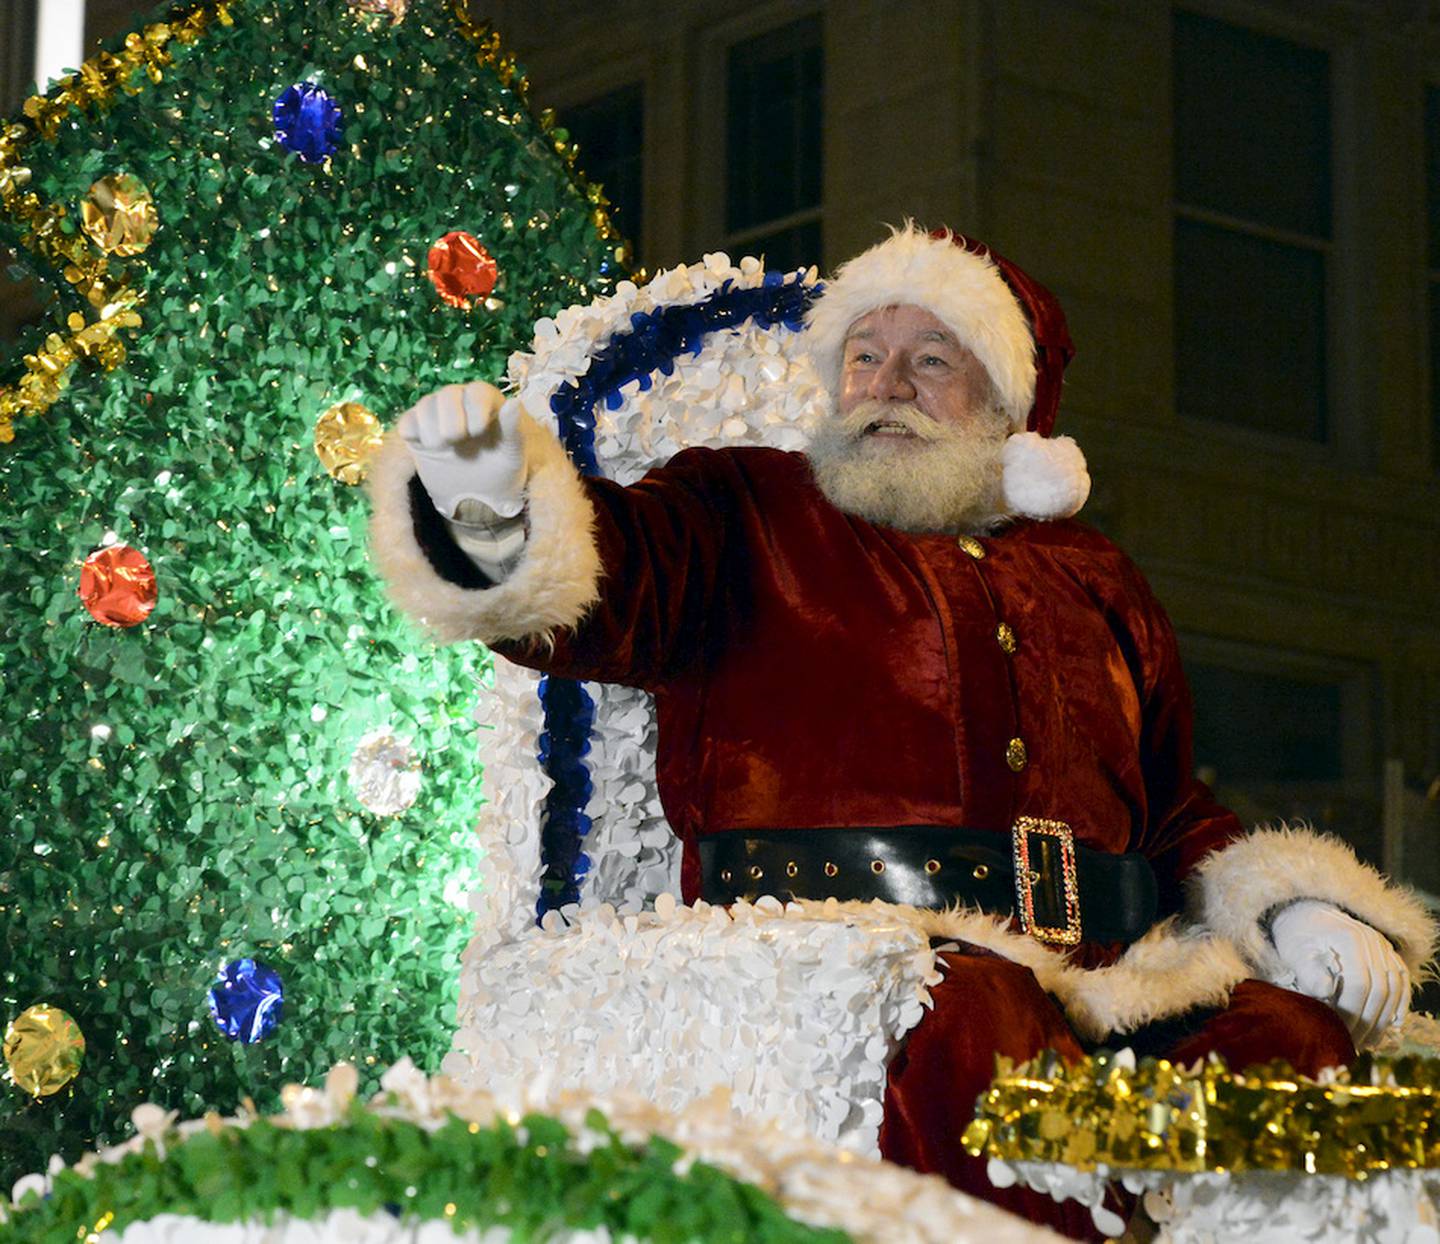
(1043, 476)
(959, 287)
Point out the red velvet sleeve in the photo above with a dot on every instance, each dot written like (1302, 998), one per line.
(662, 543)
(1184, 821)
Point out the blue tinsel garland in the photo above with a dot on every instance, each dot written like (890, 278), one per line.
(655, 339)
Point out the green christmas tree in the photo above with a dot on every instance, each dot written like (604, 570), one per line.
(178, 792)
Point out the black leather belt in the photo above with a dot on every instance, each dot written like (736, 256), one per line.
(1060, 891)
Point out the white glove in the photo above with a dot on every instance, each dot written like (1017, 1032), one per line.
(466, 446)
(1340, 960)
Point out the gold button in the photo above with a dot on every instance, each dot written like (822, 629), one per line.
(932, 867)
(792, 869)
(972, 546)
(1006, 636)
(877, 866)
(756, 872)
(727, 876)
(830, 869)
(980, 871)
(1015, 754)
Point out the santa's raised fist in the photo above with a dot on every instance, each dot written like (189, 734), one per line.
(466, 444)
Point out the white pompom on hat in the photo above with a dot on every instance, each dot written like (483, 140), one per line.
(1006, 318)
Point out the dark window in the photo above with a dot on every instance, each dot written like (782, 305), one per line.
(610, 132)
(775, 88)
(1252, 344)
(1287, 743)
(17, 53)
(1252, 227)
(1266, 727)
(1432, 192)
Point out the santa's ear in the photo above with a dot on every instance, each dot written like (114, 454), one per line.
(1044, 476)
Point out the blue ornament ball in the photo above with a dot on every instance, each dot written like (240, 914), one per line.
(246, 1000)
(308, 122)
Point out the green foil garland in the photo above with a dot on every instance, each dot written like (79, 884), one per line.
(176, 793)
(529, 1176)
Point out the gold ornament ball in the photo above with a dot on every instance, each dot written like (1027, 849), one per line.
(43, 1049)
(395, 8)
(347, 436)
(118, 215)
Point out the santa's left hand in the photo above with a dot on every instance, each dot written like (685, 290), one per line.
(1344, 962)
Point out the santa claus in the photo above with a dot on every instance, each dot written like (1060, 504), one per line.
(896, 667)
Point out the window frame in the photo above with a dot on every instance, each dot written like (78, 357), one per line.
(610, 74)
(706, 225)
(1358, 680)
(635, 240)
(1429, 292)
(1350, 418)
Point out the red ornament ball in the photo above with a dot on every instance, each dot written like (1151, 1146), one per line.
(117, 586)
(462, 269)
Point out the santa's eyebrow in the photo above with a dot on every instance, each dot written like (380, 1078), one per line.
(930, 334)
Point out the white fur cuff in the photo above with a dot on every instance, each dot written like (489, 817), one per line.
(1233, 889)
(1044, 476)
(553, 584)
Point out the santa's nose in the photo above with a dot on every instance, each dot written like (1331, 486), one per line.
(892, 382)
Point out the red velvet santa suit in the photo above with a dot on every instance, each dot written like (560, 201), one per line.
(812, 670)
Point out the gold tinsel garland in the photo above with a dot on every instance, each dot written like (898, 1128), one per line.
(1381, 1115)
(112, 302)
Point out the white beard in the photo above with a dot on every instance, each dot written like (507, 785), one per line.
(946, 478)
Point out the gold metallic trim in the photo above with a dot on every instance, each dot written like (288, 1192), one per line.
(877, 867)
(1015, 754)
(110, 300)
(792, 869)
(972, 546)
(756, 872)
(980, 871)
(932, 867)
(1005, 636)
(1382, 1117)
(830, 869)
(1027, 878)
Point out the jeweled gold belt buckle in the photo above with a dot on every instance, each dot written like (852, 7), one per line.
(1045, 879)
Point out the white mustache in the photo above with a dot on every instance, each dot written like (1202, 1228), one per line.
(859, 420)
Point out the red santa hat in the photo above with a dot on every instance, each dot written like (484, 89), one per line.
(1012, 324)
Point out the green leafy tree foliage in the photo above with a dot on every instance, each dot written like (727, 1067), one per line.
(176, 793)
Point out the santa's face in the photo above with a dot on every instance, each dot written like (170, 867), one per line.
(916, 437)
(905, 356)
